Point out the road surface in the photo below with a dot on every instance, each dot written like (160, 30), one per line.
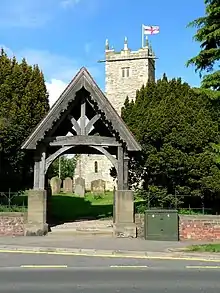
(37, 273)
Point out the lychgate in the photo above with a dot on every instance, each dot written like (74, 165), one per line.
(82, 121)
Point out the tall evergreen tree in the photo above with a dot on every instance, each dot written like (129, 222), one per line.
(176, 128)
(24, 101)
(208, 35)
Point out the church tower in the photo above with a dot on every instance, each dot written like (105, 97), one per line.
(125, 73)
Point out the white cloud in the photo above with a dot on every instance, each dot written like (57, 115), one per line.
(54, 66)
(58, 70)
(68, 3)
(55, 88)
(31, 13)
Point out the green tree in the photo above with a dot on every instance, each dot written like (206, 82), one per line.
(23, 103)
(63, 166)
(208, 35)
(176, 128)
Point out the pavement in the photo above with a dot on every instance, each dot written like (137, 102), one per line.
(92, 242)
(103, 246)
(48, 273)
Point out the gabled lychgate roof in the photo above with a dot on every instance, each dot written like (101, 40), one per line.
(83, 79)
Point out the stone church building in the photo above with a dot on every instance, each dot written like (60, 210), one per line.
(125, 72)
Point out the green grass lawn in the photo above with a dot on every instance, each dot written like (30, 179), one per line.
(69, 207)
(214, 247)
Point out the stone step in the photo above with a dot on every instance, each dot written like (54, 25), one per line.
(80, 228)
(82, 232)
(94, 227)
(85, 224)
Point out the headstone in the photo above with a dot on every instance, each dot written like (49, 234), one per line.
(55, 183)
(98, 186)
(80, 187)
(68, 185)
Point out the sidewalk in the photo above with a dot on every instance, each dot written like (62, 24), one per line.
(93, 242)
(103, 247)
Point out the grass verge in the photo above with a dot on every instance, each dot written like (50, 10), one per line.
(215, 247)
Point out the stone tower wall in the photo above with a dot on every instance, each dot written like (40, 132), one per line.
(140, 70)
(117, 88)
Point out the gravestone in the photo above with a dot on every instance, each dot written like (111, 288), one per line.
(98, 186)
(55, 183)
(68, 185)
(80, 187)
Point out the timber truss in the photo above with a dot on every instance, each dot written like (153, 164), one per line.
(82, 121)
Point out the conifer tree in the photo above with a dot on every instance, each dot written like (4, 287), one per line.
(208, 35)
(24, 101)
(176, 127)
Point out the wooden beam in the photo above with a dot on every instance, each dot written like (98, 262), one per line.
(53, 156)
(42, 170)
(39, 168)
(85, 140)
(112, 159)
(75, 124)
(126, 161)
(83, 117)
(120, 175)
(72, 131)
(91, 123)
(36, 174)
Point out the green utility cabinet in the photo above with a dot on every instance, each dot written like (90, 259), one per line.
(161, 225)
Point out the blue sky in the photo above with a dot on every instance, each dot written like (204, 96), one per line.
(64, 35)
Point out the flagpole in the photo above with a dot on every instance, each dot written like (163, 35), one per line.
(142, 36)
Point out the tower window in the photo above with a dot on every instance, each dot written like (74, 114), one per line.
(96, 166)
(127, 69)
(125, 72)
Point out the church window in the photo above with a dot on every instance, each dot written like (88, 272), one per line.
(96, 166)
(125, 72)
(127, 69)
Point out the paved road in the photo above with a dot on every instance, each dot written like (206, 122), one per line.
(17, 260)
(109, 280)
(67, 274)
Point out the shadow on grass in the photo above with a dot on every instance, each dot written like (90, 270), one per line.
(63, 209)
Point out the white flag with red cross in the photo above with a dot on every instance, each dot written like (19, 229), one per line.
(151, 30)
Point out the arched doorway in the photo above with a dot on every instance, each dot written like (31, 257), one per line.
(78, 210)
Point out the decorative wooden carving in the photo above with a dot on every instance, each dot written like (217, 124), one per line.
(82, 91)
(91, 123)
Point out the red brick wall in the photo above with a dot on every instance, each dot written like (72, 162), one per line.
(194, 227)
(199, 227)
(12, 224)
